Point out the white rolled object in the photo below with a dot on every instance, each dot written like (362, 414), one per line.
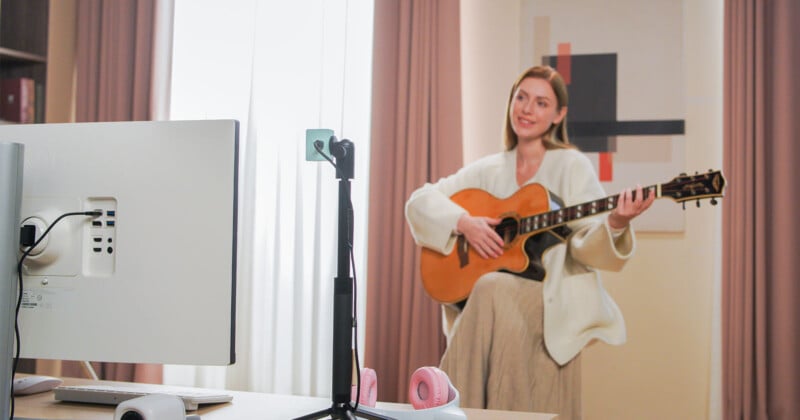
(151, 407)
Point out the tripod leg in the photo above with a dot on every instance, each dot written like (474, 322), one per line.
(371, 416)
(317, 415)
(348, 414)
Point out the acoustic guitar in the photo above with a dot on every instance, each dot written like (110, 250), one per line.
(450, 278)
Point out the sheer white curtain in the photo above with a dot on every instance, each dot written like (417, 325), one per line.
(280, 67)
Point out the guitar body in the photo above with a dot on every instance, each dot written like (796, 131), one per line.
(450, 278)
(527, 215)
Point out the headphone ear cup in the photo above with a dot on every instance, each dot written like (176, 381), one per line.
(429, 387)
(369, 388)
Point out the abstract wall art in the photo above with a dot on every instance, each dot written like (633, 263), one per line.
(623, 64)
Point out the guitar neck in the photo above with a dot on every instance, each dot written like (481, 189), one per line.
(559, 217)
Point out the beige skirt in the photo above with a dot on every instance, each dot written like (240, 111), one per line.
(496, 356)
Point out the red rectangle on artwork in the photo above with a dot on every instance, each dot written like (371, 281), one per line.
(606, 166)
(564, 62)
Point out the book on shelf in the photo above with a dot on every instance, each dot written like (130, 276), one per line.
(38, 103)
(18, 100)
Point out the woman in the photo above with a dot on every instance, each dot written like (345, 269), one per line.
(516, 343)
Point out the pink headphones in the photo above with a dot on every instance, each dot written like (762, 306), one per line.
(369, 388)
(429, 387)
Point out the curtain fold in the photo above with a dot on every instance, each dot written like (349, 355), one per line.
(416, 138)
(761, 373)
(114, 58)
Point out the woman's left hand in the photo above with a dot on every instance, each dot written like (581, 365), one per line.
(629, 207)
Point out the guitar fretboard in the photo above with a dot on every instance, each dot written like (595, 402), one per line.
(559, 217)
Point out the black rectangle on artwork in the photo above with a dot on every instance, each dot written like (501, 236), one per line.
(594, 144)
(591, 86)
(624, 128)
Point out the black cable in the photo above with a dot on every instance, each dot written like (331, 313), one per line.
(355, 329)
(350, 223)
(25, 254)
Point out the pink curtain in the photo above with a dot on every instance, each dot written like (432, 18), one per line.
(114, 56)
(761, 234)
(416, 137)
(113, 66)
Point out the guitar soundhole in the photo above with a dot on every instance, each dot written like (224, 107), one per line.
(508, 229)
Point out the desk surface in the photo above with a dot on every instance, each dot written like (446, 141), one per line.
(245, 406)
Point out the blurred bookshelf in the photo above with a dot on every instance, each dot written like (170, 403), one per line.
(23, 60)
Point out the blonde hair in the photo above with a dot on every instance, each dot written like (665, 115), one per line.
(556, 136)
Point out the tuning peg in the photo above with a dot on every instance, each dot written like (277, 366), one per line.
(684, 205)
(682, 174)
(713, 201)
(698, 203)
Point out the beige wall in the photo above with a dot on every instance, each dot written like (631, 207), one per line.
(490, 61)
(669, 292)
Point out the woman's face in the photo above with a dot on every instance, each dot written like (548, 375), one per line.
(534, 109)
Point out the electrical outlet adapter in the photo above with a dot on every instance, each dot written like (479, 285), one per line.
(317, 134)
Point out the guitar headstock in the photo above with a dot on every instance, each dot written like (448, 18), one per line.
(695, 187)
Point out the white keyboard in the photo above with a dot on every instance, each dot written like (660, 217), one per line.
(114, 394)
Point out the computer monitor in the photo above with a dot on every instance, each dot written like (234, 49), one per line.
(151, 280)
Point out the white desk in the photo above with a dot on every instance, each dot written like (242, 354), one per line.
(245, 406)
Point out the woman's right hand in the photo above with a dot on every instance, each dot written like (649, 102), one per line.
(481, 236)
